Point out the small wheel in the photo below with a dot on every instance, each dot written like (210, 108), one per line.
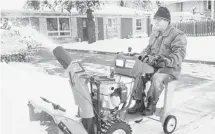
(169, 124)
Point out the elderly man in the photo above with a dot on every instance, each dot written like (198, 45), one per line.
(167, 49)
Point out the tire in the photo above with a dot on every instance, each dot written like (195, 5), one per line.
(115, 127)
(168, 123)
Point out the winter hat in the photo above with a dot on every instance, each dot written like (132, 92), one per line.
(163, 13)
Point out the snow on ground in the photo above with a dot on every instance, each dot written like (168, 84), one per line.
(198, 48)
(199, 70)
(22, 84)
(24, 81)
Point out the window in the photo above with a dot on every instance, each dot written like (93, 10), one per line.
(64, 26)
(58, 27)
(209, 4)
(112, 24)
(138, 24)
(20, 21)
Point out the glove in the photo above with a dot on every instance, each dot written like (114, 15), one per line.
(150, 59)
(161, 61)
(147, 59)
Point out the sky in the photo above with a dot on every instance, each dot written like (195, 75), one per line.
(12, 4)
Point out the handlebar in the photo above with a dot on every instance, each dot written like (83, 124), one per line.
(59, 107)
(128, 54)
(55, 106)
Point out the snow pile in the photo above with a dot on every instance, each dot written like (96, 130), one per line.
(21, 85)
(111, 45)
(198, 48)
(17, 39)
(201, 48)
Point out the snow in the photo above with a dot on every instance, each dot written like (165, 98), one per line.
(199, 70)
(19, 85)
(23, 82)
(111, 10)
(18, 39)
(198, 48)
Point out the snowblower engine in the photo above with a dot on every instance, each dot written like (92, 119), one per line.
(112, 94)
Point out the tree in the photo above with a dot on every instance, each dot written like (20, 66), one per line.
(35, 5)
(121, 3)
(88, 7)
(142, 4)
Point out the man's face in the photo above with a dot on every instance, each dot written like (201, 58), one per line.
(159, 24)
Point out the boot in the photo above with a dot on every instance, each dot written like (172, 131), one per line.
(138, 107)
(150, 108)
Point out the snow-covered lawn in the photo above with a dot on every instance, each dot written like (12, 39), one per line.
(25, 83)
(198, 48)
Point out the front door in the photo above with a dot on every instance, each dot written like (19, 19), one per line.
(126, 27)
(100, 29)
(85, 32)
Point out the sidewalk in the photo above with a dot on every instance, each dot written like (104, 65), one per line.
(195, 113)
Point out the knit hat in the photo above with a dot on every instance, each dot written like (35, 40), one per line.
(163, 13)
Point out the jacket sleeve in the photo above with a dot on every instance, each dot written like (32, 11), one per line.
(178, 47)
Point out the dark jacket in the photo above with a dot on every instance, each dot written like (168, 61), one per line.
(171, 44)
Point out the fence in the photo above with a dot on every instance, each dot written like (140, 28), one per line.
(197, 28)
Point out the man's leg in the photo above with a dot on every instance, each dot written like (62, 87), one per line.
(158, 82)
(137, 95)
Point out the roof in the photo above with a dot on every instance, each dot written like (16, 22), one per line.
(104, 11)
(117, 10)
(168, 2)
(22, 12)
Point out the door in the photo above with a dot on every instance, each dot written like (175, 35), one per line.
(85, 32)
(126, 27)
(100, 29)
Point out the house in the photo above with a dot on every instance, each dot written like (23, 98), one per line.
(115, 22)
(202, 7)
(109, 24)
(54, 25)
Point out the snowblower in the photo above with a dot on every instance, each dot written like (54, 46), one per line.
(102, 101)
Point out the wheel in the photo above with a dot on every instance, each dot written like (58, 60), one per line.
(169, 124)
(116, 126)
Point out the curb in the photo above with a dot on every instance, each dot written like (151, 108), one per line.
(104, 52)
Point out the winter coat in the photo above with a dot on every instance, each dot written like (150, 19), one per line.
(171, 44)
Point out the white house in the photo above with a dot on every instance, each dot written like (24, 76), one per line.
(202, 7)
